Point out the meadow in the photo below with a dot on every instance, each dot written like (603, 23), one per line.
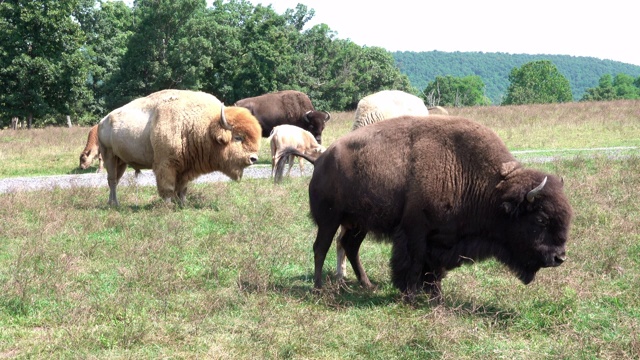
(229, 275)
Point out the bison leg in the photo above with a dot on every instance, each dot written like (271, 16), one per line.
(341, 259)
(100, 163)
(291, 159)
(115, 169)
(430, 280)
(320, 248)
(351, 241)
(407, 261)
(300, 163)
(181, 191)
(165, 181)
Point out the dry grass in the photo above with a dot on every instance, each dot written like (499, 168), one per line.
(229, 275)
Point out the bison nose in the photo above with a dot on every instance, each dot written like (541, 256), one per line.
(253, 159)
(560, 258)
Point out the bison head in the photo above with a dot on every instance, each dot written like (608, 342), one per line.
(240, 134)
(86, 158)
(314, 122)
(536, 219)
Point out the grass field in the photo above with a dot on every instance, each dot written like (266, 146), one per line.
(229, 276)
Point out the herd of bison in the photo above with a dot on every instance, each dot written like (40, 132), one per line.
(443, 190)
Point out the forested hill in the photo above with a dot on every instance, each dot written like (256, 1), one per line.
(494, 69)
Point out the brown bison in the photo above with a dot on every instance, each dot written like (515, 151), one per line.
(179, 134)
(91, 150)
(286, 107)
(446, 191)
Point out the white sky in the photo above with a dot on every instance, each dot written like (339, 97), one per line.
(604, 30)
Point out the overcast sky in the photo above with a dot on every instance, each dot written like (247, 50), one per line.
(604, 30)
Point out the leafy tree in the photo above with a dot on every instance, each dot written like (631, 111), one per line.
(625, 87)
(42, 68)
(621, 87)
(537, 82)
(456, 91)
(604, 91)
(107, 29)
(144, 68)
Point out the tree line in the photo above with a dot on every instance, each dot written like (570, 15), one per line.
(494, 69)
(84, 58)
(80, 59)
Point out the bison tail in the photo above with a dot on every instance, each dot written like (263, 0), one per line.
(283, 157)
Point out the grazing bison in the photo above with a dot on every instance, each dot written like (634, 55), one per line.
(91, 150)
(180, 135)
(286, 107)
(387, 104)
(283, 136)
(446, 191)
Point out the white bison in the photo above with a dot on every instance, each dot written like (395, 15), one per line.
(387, 104)
(91, 150)
(283, 136)
(179, 134)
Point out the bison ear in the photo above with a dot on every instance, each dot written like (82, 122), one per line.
(223, 137)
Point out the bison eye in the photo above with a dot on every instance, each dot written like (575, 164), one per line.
(238, 138)
(542, 220)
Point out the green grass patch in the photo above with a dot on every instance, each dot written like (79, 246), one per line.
(230, 276)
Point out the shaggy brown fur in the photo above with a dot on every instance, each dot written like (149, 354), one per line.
(91, 150)
(449, 192)
(180, 135)
(286, 107)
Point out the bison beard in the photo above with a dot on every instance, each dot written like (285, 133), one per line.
(448, 193)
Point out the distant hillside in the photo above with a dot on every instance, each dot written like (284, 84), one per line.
(494, 69)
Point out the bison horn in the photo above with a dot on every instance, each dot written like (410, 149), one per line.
(306, 116)
(328, 116)
(533, 193)
(223, 120)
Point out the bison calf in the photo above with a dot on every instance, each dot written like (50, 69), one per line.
(445, 191)
(289, 136)
(91, 151)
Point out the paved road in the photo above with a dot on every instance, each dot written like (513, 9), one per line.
(146, 177)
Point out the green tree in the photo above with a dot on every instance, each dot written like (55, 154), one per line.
(604, 91)
(144, 68)
(625, 87)
(609, 88)
(42, 67)
(108, 28)
(537, 82)
(456, 91)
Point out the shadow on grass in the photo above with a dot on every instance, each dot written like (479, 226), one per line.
(79, 171)
(351, 294)
(496, 315)
(332, 295)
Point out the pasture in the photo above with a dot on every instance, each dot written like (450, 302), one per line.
(229, 276)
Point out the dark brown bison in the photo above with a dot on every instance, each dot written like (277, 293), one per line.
(445, 190)
(286, 107)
